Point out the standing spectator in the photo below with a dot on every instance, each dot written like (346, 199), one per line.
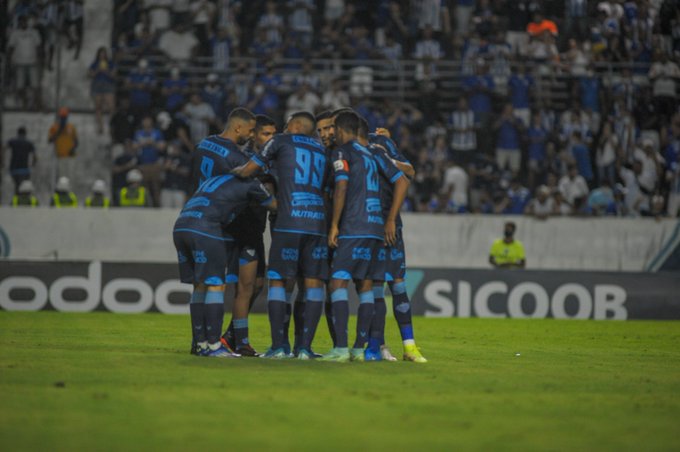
(605, 157)
(159, 14)
(49, 21)
(179, 43)
(300, 20)
(573, 187)
(214, 95)
(272, 22)
(176, 182)
(589, 89)
(73, 24)
(63, 196)
(121, 166)
(463, 134)
(23, 158)
(576, 15)
(507, 252)
(637, 202)
(203, 13)
(24, 195)
(65, 139)
(308, 76)
(140, 83)
(508, 152)
(463, 12)
(220, 45)
(98, 198)
(434, 14)
(538, 137)
(672, 159)
(23, 48)
(122, 123)
(479, 89)
(663, 74)
(455, 188)
(652, 164)
(200, 116)
(520, 85)
(103, 88)
(175, 90)
(518, 14)
(150, 145)
(173, 128)
(581, 155)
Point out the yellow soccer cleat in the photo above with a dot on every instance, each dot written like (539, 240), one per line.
(411, 353)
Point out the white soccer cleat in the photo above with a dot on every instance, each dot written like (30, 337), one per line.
(386, 353)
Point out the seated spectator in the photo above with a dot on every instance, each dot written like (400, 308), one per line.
(159, 14)
(174, 129)
(543, 205)
(637, 201)
(23, 50)
(581, 155)
(141, 83)
(23, 158)
(484, 181)
(199, 116)
(175, 90)
(508, 151)
(23, 197)
(103, 88)
(143, 43)
(63, 196)
(574, 188)
(601, 201)
(576, 60)
(263, 100)
(543, 52)
(515, 200)
(134, 194)
(541, 26)
(178, 43)
(177, 180)
(98, 198)
(455, 188)
(562, 207)
(652, 165)
(150, 147)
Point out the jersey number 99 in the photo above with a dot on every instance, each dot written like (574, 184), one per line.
(310, 165)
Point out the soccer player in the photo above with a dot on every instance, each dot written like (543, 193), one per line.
(357, 232)
(247, 261)
(299, 247)
(199, 239)
(395, 273)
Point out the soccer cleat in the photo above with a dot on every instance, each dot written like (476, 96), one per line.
(286, 348)
(305, 355)
(195, 349)
(411, 353)
(247, 350)
(221, 352)
(386, 353)
(356, 355)
(228, 342)
(337, 354)
(278, 353)
(372, 355)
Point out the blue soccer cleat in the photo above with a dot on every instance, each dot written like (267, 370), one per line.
(220, 352)
(337, 355)
(372, 355)
(279, 353)
(305, 355)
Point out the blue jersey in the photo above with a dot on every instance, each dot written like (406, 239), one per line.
(389, 146)
(362, 216)
(215, 156)
(383, 148)
(217, 202)
(300, 167)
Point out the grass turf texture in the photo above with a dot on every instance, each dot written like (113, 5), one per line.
(102, 381)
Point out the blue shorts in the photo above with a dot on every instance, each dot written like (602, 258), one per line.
(243, 255)
(202, 258)
(298, 255)
(395, 267)
(359, 259)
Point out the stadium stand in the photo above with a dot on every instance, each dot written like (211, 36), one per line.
(592, 87)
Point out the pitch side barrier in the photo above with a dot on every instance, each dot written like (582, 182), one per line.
(148, 287)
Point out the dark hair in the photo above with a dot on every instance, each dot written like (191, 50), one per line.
(263, 121)
(512, 225)
(326, 114)
(240, 113)
(307, 118)
(341, 110)
(21, 130)
(348, 121)
(362, 131)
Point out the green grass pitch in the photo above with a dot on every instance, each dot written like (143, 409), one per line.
(103, 381)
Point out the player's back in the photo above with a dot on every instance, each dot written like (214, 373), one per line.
(299, 163)
(215, 156)
(218, 201)
(384, 149)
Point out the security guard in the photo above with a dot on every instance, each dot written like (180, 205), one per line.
(97, 199)
(133, 194)
(63, 196)
(24, 196)
(507, 252)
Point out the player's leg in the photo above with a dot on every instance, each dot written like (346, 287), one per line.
(231, 278)
(376, 335)
(340, 319)
(298, 310)
(364, 317)
(401, 306)
(276, 307)
(246, 284)
(314, 297)
(183, 243)
(290, 289)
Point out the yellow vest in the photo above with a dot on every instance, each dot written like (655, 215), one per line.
(73, 201)
(17, 201)
(138, 201)
(507, 253)
(105, 204)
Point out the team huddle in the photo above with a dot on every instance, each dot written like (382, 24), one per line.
(333, 191)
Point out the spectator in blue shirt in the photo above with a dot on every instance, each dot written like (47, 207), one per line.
(589, 88)
(508, 151)
(520, 85)
(149, 145)
(516, 199)
(581, 155)
(479, 88)
(538, 138)
(214, 95)
(175, 90)
(140, 83)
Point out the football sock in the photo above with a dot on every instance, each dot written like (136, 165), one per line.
(241, 331)
(328, 309)
(197, 309)
(276, 303)
(340, 307)
(376, 337)
(314, 298)
(286, 319)
(299, 317)
(401, 306)
(214, 315)
(364, 318)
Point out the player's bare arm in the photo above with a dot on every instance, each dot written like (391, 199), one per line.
(339, 196)
(400, 189)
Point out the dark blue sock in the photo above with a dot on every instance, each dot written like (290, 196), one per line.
(241, 332)
(277, 312)
(197, 311)
(340, 306)
(299, 318)
(364, 318)
(314, 298)
(376, 337)
(328, 309)
(214, 315)
(286, 319)
(401, 306)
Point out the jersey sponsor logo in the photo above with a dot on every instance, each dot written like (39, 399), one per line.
(289, 254)
(382, 254)
(295, 213)
(181, 258)
(361, 253)
(191, 214)
(373, 205)
(395, 254)
(199, 201)
(375, 219)
(320, 252)
(302, 199)
(307, 140)
(214, 148)
(200, 257)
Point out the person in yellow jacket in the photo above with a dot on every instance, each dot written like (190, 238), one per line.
(63, 196)
(134, 194)
(98, 197)
(507, 252)
(24, 196)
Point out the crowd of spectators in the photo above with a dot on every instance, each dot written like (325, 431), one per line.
(612, 148)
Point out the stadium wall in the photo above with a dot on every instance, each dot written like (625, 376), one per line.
(432, 241)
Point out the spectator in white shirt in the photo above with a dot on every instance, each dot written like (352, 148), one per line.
(178, 43)
(462, 123)
(303, 99)
(336, 97)
(200, 116)
(663, 74)
(543, 205)
(455, 188)
(652, 165)
(23, 50)
(636, 201)
(272, 22)
(573, 187)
